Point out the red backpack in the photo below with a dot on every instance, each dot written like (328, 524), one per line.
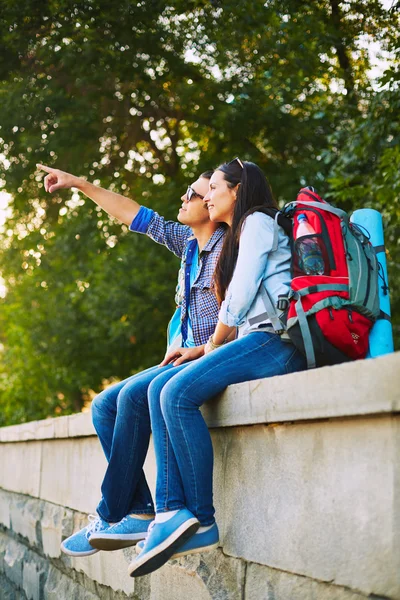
(333, 300)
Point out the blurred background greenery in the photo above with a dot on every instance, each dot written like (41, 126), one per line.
(140, 97)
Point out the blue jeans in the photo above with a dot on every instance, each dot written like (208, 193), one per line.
(184, 456)
(121, 418)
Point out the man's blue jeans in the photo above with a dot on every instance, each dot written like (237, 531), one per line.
(121, 418)
(181, 438)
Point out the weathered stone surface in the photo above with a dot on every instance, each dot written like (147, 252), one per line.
(5, 501)
(317, 499)
(263, 583)
(107, 568)
(72, 472)
(13, 555)
(32, 580)
(21, 467)
(19, 433)
(25, 516)
(60, 587)
(61, 427)
(56, 525)
(80, 425)
(208, 576)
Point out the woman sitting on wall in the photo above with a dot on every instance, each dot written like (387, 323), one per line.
(255, 259)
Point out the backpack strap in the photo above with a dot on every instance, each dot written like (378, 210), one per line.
(270, 313)
(190, 250)
(321, 206)
(276, 233)
(302, 317)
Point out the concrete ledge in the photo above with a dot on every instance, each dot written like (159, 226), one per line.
(364, 387)
(307, 498)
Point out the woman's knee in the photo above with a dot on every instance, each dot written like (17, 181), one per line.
(173, 400)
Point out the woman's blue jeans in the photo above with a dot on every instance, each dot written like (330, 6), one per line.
(181, 438)
(121, 418)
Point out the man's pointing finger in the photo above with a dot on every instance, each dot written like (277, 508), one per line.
(44, 168)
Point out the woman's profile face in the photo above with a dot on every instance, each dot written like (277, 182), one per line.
(220, 199)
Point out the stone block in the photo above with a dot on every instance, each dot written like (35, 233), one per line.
(108, 569)
(18, 433)
(56, 525)
(32, 580)
(60, 587)
(208, 576)
(263, 583)
(61, 427)
(13, 560)
(5, 501)
(72, 472)
(20, 467)
(80, 425)
(45, 429)
(25, 517)
(317, 499)
(8, 591)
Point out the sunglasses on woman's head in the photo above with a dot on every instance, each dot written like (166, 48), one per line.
(234, 160)
(191, 193)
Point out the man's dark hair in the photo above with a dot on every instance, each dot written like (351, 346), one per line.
(207, 174)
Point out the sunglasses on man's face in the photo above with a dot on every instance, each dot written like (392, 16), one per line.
(191, 193)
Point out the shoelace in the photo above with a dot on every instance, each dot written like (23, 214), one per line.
(152, 524)
(94, 525)
(119, 522)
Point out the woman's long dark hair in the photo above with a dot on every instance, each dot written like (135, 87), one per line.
(254, 194)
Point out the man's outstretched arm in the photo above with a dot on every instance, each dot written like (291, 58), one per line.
(118, 206)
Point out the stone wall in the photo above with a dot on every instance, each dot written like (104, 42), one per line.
(307, 482)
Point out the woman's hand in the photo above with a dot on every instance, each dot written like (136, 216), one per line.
(182, 355)
(57, 180)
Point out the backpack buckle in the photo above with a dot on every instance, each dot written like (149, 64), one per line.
(282, 303)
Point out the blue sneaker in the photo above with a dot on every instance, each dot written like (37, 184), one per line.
(121, 535)
(199, 542)
(162, 541)
(78, 543)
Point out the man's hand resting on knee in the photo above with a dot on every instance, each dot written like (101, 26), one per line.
(182, 355)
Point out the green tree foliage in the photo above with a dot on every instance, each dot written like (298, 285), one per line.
(141, 97)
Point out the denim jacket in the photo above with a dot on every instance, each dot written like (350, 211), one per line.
(177, 237)
(256, 265)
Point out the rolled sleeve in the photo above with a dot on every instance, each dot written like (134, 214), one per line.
(168, 233)
(227, 317)
(142, 220)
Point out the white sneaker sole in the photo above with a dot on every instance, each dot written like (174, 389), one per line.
(72, 553)
(193, 551)
(158, 556)
(115, 541)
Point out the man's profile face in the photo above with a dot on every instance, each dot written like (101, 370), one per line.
(194, 212)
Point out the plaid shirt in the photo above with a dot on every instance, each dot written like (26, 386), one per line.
(176, 237)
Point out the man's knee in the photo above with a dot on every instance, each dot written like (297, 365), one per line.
(102, 406)
(133, 397)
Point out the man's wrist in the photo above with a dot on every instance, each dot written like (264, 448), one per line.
(80, 184)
